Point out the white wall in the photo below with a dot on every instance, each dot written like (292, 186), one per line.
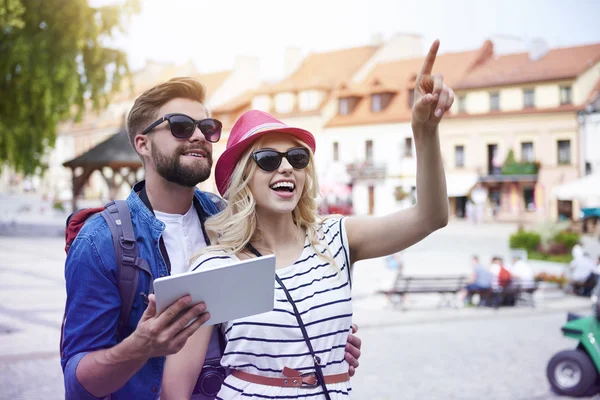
(244, 76)
(388, 145)
(399, 47)
(590, 137)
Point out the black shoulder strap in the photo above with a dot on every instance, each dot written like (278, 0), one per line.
(316, 359)
(345, 253)
(118, 218)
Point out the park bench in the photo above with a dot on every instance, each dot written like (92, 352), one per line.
(511, 295)
(446, 286)
(449, 286)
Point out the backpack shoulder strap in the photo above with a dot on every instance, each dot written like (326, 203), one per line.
(118, 218)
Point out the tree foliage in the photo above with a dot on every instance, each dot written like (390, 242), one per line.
(55, 60)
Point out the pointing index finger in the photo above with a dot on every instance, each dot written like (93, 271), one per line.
(430, 58)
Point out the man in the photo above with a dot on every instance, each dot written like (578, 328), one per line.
(522, 273)
(480, 281)
(169, 128)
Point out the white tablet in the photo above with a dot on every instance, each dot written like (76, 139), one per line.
(235, 290)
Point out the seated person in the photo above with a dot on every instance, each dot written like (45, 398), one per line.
(481, 279)
(583, 276)
(522, 273)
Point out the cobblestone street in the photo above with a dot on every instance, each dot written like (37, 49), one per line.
(419, 353)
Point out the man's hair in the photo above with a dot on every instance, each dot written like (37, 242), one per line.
(145, 108)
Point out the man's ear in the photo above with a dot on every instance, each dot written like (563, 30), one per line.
(142, 145)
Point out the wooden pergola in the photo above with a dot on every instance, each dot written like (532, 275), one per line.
(116, 154)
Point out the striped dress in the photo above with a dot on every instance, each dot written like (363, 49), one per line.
(266, 343)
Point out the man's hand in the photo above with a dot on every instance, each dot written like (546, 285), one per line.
(161, 335)
(353, 351)
(432, 97)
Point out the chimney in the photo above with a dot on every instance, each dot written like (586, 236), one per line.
(538, 48)
(507, 44)
(293, 59)
(376, 39)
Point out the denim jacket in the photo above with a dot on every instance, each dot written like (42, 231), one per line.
(93, 300)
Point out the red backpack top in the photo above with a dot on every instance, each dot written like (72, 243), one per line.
(504, 277)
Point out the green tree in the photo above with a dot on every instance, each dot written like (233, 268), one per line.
(55, 60)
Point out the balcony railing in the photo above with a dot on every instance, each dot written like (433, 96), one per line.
(366, 170)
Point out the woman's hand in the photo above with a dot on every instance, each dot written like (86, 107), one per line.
(432, 97)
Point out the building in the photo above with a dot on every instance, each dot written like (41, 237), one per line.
(512, 134)
(371, 133)
(515, 126)
(589, 132)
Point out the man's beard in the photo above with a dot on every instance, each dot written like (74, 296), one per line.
(184, 175)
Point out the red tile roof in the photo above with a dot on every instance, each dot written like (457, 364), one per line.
(324, 70)
(512, 69)
(398, 77)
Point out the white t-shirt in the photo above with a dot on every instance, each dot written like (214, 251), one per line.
(183, 237)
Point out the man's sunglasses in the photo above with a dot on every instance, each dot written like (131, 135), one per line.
(269, 160)
(183, 126)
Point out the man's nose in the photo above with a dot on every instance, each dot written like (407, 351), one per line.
(197, 135)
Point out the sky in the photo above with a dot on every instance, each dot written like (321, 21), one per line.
(211, 33)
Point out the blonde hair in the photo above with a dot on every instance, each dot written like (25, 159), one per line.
(145, 108)
(233, 228)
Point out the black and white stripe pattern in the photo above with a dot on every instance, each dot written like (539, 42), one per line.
(264, 344)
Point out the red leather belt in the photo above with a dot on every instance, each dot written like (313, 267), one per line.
(292, 378)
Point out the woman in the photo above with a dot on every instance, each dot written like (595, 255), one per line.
(267, 175)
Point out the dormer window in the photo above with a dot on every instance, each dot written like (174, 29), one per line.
(376, 102)
(346, 105)
(379, 101)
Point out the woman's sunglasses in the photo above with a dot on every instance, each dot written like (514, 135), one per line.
(269, 160)
(183, 126)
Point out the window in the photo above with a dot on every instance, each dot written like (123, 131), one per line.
(494, 101)
(528, 98)
(459, 156)
(344, 107)
(408, 152)
(308, 100)
(411, 97)
(369, 150)
(565, 210)
(564, 152)
(284, 103)
(462, 106)
(376, 103)
(336, 151)
(566, 95)
(527, 152)
(529, 199)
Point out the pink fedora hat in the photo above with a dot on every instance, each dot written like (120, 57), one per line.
(251, 126)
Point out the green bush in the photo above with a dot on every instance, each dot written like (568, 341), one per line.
(58, 206)
(525, 240)
(568, 239)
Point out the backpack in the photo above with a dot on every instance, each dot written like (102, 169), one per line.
(504, 277)
(118, 218)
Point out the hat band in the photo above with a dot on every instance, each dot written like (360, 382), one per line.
(262, 127)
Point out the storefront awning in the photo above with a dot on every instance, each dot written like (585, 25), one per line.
(460, 184)
(586, 188)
